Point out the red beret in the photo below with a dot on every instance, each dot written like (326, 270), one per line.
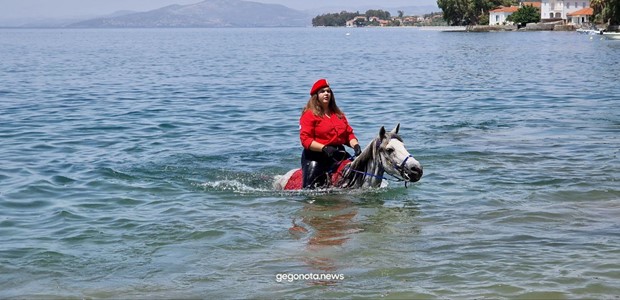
(319, 84)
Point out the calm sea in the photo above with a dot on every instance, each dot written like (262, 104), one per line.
(138, 164)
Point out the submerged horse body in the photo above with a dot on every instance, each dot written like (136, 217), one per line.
(385, 154)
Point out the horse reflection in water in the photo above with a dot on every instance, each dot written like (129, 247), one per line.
(332, 225)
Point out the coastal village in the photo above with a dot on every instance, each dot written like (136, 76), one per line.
(586, 16)
(426, 20)
(557, 15)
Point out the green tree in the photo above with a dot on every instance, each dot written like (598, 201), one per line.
(614, 12)
(525, 14)
(334, 19)
(401, 13)
(453, 12)
(484, 20)
(606, 11)
(395, 23)
(381, 14)
(469, 12)
(359, 22)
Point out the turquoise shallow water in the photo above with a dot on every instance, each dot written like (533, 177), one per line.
(138, 164)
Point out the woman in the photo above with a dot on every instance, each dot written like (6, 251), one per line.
(323, 130)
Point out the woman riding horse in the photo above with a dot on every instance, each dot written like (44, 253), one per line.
(386, 153)
(323, 131)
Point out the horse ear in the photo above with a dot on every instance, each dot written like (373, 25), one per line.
(382, 132)
(395, 130)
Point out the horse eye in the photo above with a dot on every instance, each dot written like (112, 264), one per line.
(389, 150)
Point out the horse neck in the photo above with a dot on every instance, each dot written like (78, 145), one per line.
(368, 169)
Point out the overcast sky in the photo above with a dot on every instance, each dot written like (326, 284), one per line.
(17, 9)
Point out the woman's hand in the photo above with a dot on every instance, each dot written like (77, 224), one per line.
(329, 150)
(357, 149)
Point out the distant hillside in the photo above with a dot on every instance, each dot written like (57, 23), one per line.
(209, 13)
(39, 22)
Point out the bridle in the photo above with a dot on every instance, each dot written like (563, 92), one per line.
(398, 167)
(401, 168)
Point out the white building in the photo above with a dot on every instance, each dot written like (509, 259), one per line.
(559, 9)
(353, 22)
(498, 16)
(581, 16)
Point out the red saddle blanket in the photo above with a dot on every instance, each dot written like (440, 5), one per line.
(296, 180)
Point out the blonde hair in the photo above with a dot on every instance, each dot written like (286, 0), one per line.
(315, 106)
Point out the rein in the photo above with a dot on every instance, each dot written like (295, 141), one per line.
(372, 175)
(348, 167)
(397, 167)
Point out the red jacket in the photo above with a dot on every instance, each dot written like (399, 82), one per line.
(325, 130)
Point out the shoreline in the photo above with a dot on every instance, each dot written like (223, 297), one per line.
(531, 27)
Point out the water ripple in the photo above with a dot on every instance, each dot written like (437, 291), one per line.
(138, 164)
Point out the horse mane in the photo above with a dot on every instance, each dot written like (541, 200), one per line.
(394, 136)
(369, 152)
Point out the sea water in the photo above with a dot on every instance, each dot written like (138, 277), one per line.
(137, 163)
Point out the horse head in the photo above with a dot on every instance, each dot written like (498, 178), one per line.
(395, 158)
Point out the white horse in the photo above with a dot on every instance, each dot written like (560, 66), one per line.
(385, 154)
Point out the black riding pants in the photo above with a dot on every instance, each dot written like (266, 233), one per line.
(317, 166)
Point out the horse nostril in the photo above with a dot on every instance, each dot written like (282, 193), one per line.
(417, 169)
